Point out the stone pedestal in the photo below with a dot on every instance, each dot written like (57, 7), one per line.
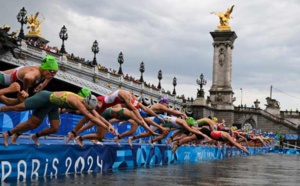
(37, 38)
(272, 106)
(273, 111)
(221, 93)
(223, 28)
(200, 101)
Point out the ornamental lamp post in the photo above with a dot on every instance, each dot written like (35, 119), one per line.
(120, 61)
(174, 84)
(201, 82)
(95, 50)
(142, 70)
(63, 36)
(241, 96)
(159, 76)
(22, 18)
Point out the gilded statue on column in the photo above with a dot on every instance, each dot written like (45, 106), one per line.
(224, 18)
(34, 25)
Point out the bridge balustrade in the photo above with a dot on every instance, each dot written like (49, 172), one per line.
(279, 119)
(116, 79)
(34, 50)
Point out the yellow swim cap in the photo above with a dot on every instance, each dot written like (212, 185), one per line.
(215, 119)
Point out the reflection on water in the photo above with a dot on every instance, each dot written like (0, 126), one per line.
(268, 169)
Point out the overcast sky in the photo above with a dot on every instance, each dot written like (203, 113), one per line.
(174, 36)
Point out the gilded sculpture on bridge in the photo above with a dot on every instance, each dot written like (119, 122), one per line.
(34, 25)
(224, 18)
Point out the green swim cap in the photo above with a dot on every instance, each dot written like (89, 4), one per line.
(49, 63)
(190, 121)
(84, 92)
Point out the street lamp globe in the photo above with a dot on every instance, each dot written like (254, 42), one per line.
(120, 61)
(159, 76)
(142, 70)
(174, 84)
(95, 50)
(63, 36)
(22, 18)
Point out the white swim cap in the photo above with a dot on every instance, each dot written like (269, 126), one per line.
(91, 101)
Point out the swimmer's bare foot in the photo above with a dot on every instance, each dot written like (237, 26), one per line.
(130, 140)
(155, 134)
(121, 123)
(5, 139)
(35, 139)
(70, 137)
(168, 141)
(14, 139)
(78, 139)
(96, 142)
(175, 147)
(151, 143)
(117, 140)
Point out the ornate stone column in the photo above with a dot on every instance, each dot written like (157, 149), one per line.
(221, 93)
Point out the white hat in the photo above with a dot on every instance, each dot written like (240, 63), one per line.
(91, 101)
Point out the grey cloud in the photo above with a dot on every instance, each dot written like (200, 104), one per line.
(174, 36)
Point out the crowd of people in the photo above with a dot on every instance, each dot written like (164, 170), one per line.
(101, 111)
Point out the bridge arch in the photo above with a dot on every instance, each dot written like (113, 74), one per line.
(248, 121)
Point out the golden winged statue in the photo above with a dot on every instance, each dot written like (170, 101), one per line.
(224, 17)
(34, 25)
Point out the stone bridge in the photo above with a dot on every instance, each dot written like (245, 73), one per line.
(248, 117)
(100, 82)
(82, 75)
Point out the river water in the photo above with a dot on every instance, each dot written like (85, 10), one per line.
(268, 169)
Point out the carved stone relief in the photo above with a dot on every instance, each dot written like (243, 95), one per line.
(222, 56)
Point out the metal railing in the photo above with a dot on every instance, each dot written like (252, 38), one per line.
(287, 145)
